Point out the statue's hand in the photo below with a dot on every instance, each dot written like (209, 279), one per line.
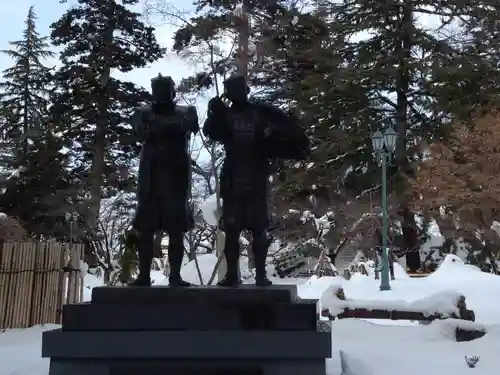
(216, 106)
(192, 117)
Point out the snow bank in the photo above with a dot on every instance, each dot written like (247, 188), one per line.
(20, 351)
(452, 265)
(367, 348)
(315, 286)
(364, 348)
(358, 348)
(439, 303)
(351, 365)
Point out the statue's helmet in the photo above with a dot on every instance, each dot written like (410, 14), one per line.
(163, 88)
(236, 89)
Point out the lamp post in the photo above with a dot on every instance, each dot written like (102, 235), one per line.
(384, 145)
(71, 219)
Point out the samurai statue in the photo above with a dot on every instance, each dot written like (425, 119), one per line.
(255, 136)
(164, 186)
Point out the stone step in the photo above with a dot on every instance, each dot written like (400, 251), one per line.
(196, 295)
(300, 316)
(189, 331)
(95, 345)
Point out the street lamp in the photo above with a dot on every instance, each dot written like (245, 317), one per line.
(384, 145)
(71, 218)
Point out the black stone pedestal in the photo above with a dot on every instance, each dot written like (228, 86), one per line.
(190, 331)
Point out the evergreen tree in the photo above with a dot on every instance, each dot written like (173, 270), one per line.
(43, 190)
(387, 77)
(277, 49)
(377, 66)
(97, 37)
(25, 86)
(471, 70)
(39, 191)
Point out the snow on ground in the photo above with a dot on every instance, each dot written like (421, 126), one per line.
(368, 348)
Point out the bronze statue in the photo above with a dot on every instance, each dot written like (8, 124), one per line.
(164, 185)
(254, 136)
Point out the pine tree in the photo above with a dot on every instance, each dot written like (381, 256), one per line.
(97, 37)
(387, 77)
(25, 86)
(471, 71)
(44, 189)
(39, 192)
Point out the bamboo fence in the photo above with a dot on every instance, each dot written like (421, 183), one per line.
(36, 279)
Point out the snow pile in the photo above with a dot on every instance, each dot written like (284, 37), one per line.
(351, 365)
(373, 349)
(453, 265)
(20, 351)
(315, 286)
(440, 303)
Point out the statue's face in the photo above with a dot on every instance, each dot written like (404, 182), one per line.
(163, 89)
(235, 89)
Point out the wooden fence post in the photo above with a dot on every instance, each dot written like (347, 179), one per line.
(33, 283)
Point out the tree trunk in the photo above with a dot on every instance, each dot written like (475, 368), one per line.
(158, 253)
(106, 276)
(96, 176)
(26, 104)
(403, 51)
(411, 241)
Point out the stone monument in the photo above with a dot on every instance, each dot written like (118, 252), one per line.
(189, 331)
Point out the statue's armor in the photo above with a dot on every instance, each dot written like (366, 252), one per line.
(244, 132)
(164, 184)
(244, 174)
(152, 127)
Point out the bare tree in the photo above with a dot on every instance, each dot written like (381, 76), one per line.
(104, 242)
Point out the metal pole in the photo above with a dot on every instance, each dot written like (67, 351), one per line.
(384, 277)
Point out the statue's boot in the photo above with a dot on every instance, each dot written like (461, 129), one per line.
(230, 279)
(176, 280)
(175, 256)
(232, 255)
(145, 253)
(260, 246)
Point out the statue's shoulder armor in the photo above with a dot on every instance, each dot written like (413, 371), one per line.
(271, 112)
(266, 108)
(261, 105)
(144, 113)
